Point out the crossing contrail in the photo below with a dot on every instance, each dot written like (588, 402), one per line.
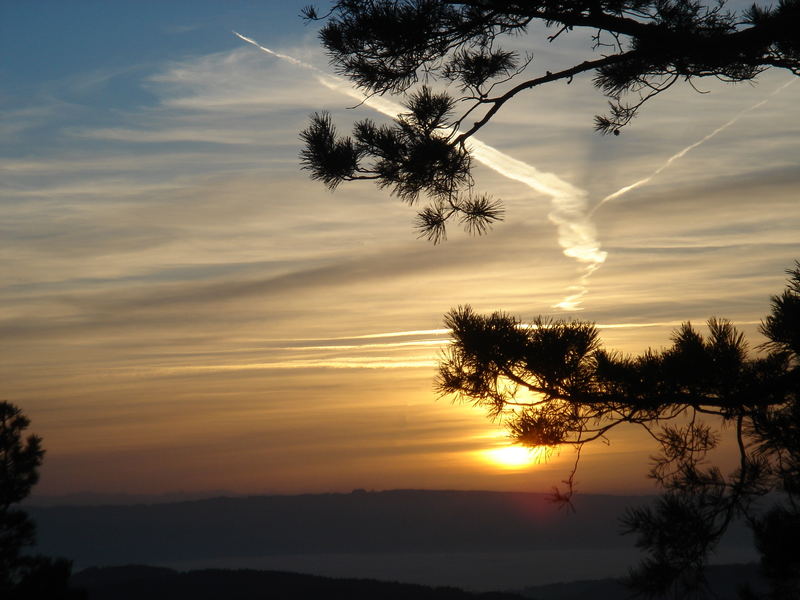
(689, 148)
(569, 210)
(569, 207)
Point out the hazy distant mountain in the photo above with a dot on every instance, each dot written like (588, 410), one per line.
(477, 540)
(393, 521)
(108, 499)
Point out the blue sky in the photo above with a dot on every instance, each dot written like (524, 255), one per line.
(177, 292)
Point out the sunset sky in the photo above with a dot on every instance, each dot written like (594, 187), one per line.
(183, 309)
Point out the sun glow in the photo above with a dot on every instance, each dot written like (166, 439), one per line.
(514, 457)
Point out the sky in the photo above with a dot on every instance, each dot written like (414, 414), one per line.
(184, 310)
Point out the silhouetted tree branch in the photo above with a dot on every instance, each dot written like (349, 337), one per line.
(641, 49)
(553, 384)
(24, 576)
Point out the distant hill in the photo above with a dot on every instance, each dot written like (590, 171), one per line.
(153, 583)
(475, 540)
(392, 521)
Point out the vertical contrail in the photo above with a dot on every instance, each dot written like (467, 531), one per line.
(577, 235)
(677, 155)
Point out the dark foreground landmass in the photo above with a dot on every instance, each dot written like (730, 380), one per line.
(724, 583)
(157, 583)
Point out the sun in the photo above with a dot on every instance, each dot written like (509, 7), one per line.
(514, 457)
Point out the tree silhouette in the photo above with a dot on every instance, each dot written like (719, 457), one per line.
(553, 384)
(642, 48)
(24, 576)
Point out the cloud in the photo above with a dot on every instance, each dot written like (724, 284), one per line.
(167, 268)
(236, 80)
(245, 281)
(101, 162)
(201, 133)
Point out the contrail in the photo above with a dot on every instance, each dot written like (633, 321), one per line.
(359, 356)
(435, 333)
(285, 57)
(676, 156)
(577, 235)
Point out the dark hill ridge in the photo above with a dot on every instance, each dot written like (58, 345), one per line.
(153, 583)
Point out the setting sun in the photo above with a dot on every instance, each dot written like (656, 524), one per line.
(514, 457)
